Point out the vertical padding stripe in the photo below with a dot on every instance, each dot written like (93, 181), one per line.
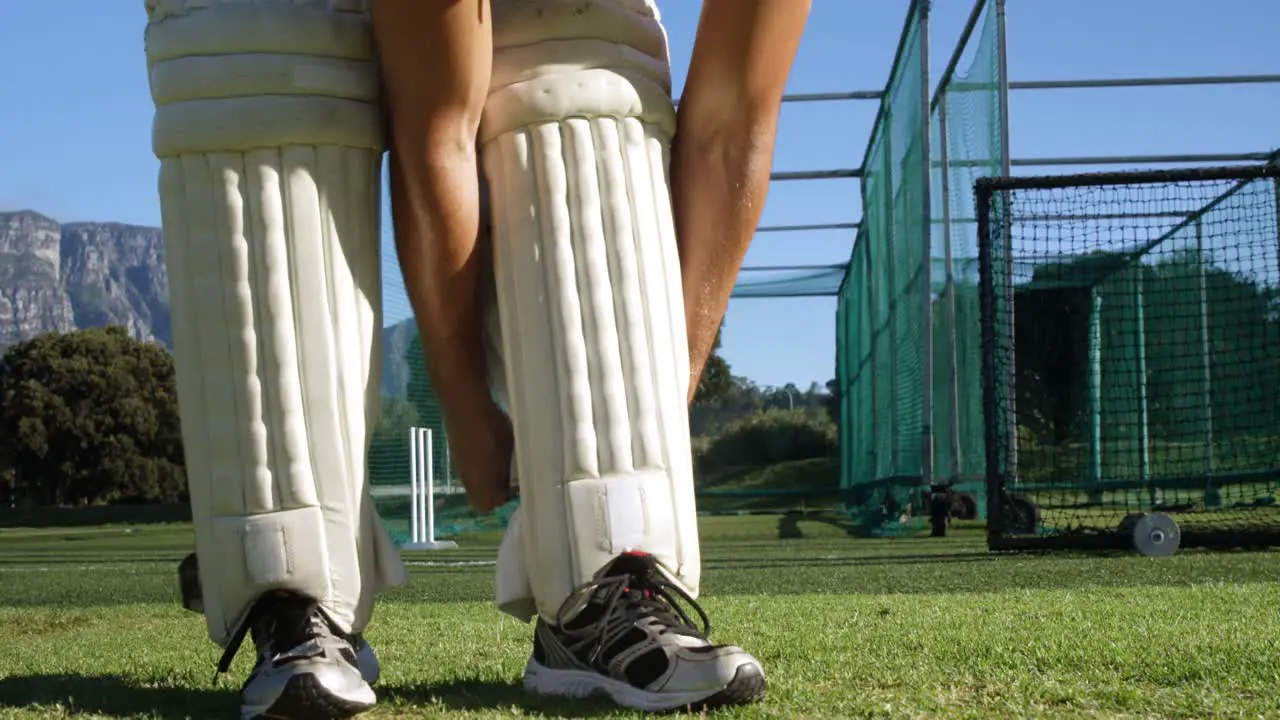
(308, 325)
(525, 260)
(627, 232)
(555, 248)
(214, 206)
(364, 246)
(188, 355)
(240, 337)
(591, 258)
(652, 282)
(277, 341)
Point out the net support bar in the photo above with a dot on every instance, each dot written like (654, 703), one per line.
(926, 265)
(1211, 496)
(949, 289)
(1140, 380)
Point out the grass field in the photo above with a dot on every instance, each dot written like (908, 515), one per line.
(846, 628)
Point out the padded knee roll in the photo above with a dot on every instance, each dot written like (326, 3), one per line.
(575, 138)
(270, 138)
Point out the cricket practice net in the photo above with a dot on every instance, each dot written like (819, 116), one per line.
(1131, 354)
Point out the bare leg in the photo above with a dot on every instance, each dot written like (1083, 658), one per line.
(436, 58)
(723, 155)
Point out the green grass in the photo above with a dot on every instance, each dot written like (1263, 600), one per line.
(846, 628)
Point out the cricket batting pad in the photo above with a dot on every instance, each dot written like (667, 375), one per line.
(269, 136)
(574, 142)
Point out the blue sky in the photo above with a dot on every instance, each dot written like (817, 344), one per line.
(75, 129)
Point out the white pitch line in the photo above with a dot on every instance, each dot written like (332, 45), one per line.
(449, 563)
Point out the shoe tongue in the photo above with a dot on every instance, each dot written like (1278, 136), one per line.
(633, 563)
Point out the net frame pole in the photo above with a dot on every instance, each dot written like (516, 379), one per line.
(1095, 395)
(1006, 169)
(1140, 349)
(1275, 161)
(926, 257)
(1212, 498)
(874, 338)
(890, 320)
(949, 290)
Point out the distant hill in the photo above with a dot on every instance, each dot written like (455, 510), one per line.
(68, 276)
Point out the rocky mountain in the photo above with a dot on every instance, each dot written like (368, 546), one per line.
(58, 277)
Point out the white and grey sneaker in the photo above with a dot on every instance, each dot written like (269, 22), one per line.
(625, 636)
(306, 667)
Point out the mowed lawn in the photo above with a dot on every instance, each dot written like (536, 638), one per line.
(904, 628)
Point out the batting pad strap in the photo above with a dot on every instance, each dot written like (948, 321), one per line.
(620, 513)
(272, 551)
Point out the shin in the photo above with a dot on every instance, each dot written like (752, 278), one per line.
(575, 144)
(270, 138)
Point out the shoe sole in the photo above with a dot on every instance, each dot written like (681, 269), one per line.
(747, 686)
(305, 697)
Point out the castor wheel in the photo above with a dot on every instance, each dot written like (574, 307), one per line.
(1021, 515)
(963, 506)
(1156, 535)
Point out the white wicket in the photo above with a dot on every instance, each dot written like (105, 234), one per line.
(422, 514)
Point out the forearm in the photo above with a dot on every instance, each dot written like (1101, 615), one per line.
(436, 216)
(435, 61)
(723, 154)
(720, 178)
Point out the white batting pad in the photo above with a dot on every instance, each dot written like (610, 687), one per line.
(575, 138)
(269, 134)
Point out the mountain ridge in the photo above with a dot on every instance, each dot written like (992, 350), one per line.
(64, 276)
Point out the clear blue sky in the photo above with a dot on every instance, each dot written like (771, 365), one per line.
(75, 128)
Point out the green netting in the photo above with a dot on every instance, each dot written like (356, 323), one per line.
(1141, 330)
(968, 109)
(883, 323)
(766, 282)
(408, 401)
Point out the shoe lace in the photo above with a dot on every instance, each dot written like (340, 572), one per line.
(281, 621)
(624, 599)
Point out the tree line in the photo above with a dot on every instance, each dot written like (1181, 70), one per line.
(90, 417)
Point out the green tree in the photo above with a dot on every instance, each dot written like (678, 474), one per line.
(717, 378)
(90, 417)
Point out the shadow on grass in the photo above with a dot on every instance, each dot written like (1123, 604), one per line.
(480, 695)
(115, 696)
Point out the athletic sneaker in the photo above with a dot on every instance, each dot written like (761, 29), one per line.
(306, 667)
(632, 642)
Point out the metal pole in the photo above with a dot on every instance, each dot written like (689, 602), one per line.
(1275, 161)
(1144, 430)
(1212, 498)
(889, 242)
(1002, 68)
(1095, 395)
(1144, 82)
(926, 255)
(953, 371)
(1142, 159)
(873, 339)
